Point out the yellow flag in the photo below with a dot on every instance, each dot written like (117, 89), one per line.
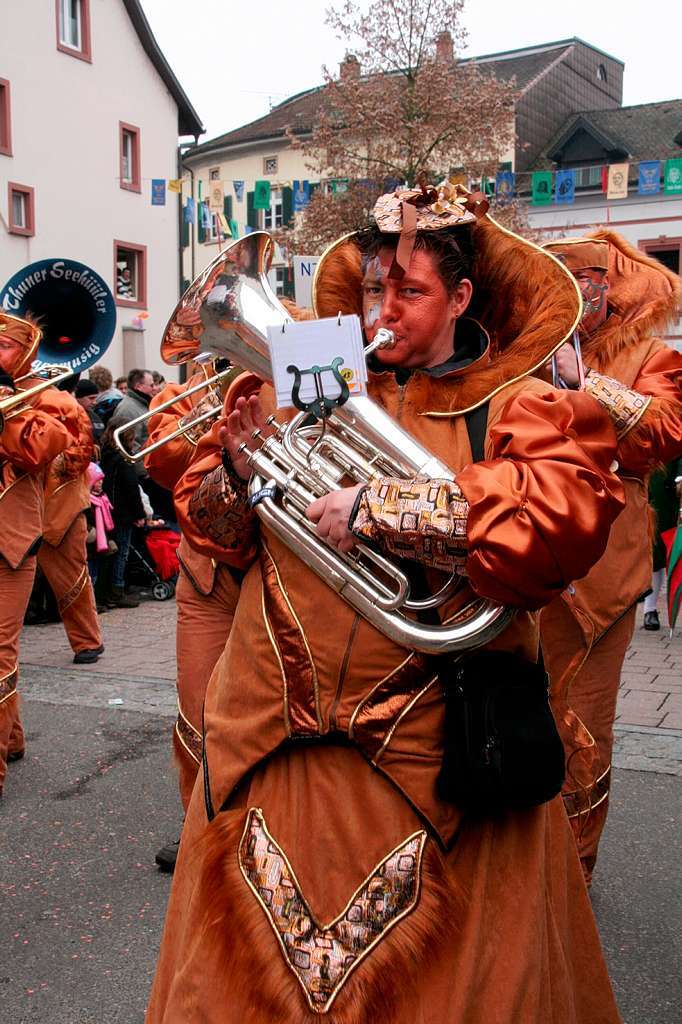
(175, 185)
(617, 186)
(224, 226)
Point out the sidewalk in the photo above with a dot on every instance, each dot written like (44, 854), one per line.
(137, 672)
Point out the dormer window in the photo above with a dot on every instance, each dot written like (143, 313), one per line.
(601, 73)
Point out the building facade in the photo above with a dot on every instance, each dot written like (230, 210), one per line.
(90, 113)
(551, 81)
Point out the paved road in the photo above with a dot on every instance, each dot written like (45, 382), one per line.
(80, 899)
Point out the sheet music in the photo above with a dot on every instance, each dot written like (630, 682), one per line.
(308, 343)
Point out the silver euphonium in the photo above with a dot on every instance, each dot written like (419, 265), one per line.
(226, 312)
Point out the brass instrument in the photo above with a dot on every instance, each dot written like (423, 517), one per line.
(20, 401)
(226, 312)
(216, 382)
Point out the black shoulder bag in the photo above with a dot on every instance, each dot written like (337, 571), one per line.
(502, 749)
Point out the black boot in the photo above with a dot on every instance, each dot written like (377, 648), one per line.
(119, 599)
(167, 856)
(651, 621)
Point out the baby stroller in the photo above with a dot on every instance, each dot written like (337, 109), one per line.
(153, 561)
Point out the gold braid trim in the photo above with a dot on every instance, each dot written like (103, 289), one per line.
(322, 957)
(425, 520)
(583, 801)
(8, 685)
(625, 406)
(190, 738)
(74, 592)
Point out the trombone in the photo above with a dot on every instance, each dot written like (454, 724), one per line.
(20, 401)
(216, 381)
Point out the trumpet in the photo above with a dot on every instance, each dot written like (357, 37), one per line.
(216, 383)
(227, 312)
(20, 401)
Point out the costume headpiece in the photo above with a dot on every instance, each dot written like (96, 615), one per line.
(580, 253)
(27, 335)
(427, 208)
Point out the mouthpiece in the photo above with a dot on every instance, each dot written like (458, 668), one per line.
(382, 339)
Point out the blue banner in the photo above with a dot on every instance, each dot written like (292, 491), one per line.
(158, 191)
(205, 216)
(238, 187)
(301, 195)
(189, 211)
(504, 186)
(565, 186)
(649, 177)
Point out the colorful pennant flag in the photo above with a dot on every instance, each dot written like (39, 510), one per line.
(189, 211)
(216, 196)
(649, 177)
(617, 187)
(234, 228)
(175, 184)
(565, 186)
(238, 187)
(158, 191)
(541, 188)
(504, 186)
(301, 195)
(672, 540)
(224, 226)
(672, 179)
(205, 216)
(261, 195)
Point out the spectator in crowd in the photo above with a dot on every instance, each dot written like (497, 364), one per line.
(665, 488)
(86, 396)
(159, 381)
(122, 489)
(109, 396)
(135, 403)
(100, 521)
(122, 384)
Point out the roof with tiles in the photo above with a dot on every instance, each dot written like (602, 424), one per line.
(298, 112)
(648, 131)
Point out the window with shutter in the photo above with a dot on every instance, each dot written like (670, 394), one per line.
(251, 214)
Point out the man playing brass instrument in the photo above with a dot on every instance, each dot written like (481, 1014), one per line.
(586, 631)
(321, 873)
(32, 436)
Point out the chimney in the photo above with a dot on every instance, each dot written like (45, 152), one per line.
(349, 68)
(444, 47)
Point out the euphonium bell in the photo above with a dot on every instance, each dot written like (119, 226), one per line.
(226, 312)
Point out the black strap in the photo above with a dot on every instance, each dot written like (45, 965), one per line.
(476, 421)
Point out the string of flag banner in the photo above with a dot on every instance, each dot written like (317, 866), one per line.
(545, 187)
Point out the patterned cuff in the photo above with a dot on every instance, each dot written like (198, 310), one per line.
(425, 520)
(624, 406)
(193, 434)
(219, 508)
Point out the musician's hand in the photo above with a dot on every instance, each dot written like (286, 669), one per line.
(331, 514)
(238, 428)
(567, 365)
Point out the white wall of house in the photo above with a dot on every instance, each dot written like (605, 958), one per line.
(640, 219)
(65, 144)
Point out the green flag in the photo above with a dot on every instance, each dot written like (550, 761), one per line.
(672, 180)
(261, 197)
(541, 188)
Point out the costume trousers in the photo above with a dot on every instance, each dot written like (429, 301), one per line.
(15, 591)
(584, 692)
(66, 569)
(203, 627)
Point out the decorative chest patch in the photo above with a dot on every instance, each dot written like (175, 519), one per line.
(323, 956)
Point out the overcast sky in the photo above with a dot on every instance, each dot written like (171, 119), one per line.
(235, 58)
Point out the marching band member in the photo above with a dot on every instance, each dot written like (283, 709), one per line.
(628, 297)
(63, 554)
(321, 874)
(29, 440)
(207, 589)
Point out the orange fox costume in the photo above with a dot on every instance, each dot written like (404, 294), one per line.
(207, 590)
(63, 555)
(586, 631)
(29, 441)
(320, 876)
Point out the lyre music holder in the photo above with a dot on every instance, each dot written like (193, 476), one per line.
(322, 405)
